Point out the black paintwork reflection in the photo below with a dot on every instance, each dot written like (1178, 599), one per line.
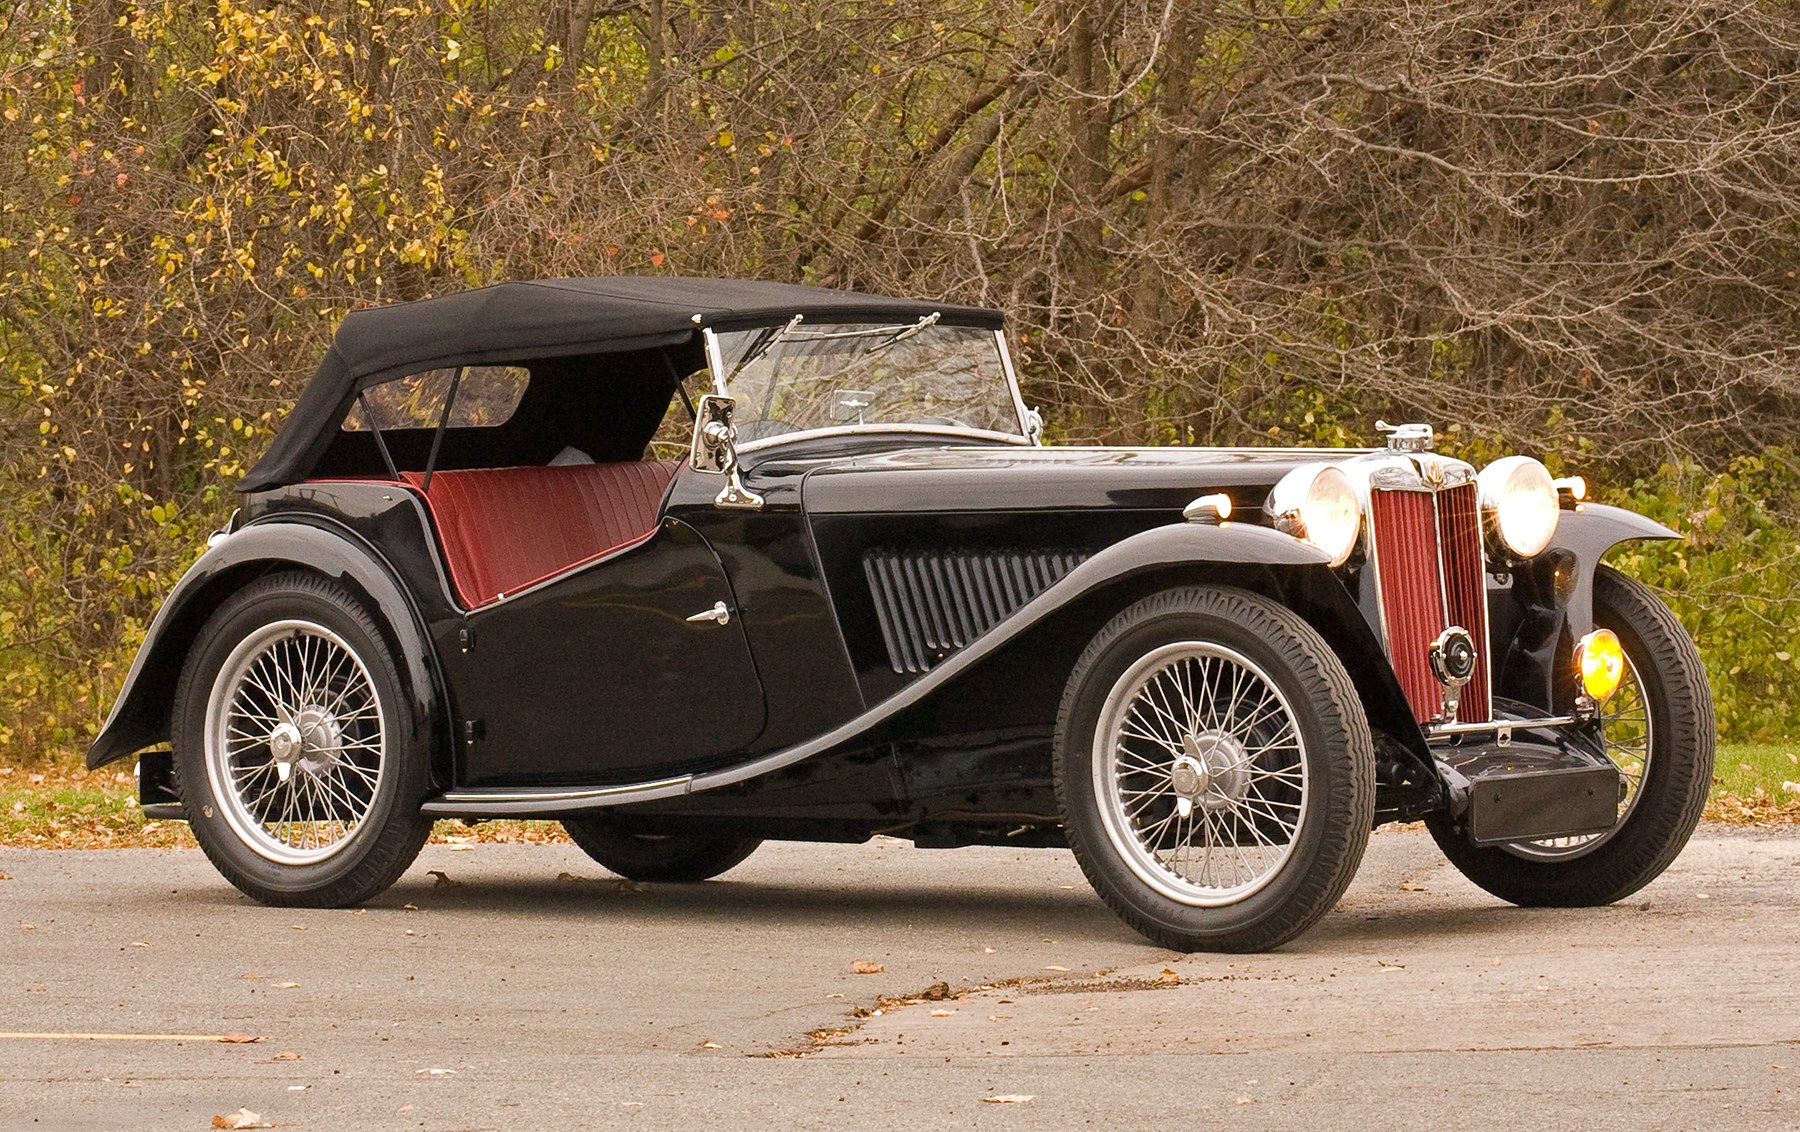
(1001, 478)
(598, 677)
(786, 613)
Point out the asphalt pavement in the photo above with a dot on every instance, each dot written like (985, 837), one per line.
(503, 987)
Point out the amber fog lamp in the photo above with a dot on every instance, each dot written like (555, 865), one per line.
(1600, 662)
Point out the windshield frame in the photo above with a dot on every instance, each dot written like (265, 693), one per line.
(720, 377)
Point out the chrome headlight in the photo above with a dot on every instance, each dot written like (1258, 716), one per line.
(1518, 498)
(1317, 505)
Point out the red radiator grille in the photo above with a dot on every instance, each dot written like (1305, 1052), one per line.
(1459, 534)
(1405, 534)
(1409, 529)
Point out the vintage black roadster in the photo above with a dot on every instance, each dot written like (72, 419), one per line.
(690, 564)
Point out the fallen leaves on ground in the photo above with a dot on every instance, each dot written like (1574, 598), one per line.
(70, 807)
(1010, 1098)
(865, 967)
(936, 992)
(242, 1118)
(238, 1039)
(442, 879)
(73, 808)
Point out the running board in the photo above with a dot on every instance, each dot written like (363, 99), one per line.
(549, 801)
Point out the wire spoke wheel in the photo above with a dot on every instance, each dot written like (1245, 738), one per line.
(1201, 772)
(295, 743)
(1658, 730)
(1625, 730)
(1214, 768)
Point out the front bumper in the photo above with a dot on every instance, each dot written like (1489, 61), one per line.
(1527, 780)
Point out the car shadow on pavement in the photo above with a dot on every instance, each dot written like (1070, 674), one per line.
(606, 896)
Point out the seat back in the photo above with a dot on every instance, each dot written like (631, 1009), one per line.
(504, 528)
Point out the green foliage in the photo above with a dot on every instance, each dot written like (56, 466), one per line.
(1201, 229)
(1734, 580)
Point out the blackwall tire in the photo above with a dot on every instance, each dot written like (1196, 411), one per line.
(297, 757)
(1214, 770)
(656, 857)
(1673, 772)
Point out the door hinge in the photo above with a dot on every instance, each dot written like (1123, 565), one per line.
(473, 731)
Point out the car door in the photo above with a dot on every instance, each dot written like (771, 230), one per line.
(624, 670)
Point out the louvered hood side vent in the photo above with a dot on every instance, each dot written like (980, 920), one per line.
(931, 603)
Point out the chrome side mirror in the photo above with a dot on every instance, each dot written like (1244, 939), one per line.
(714, 450)
(1034, 426)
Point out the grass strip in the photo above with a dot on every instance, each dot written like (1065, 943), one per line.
(1755, 785)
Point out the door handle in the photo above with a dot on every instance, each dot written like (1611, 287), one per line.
(718, 613)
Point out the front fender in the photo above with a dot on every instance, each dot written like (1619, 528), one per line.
(141, 713)
(1233, 552)
(1588, 532)
(1160, 549)
(1536, 657)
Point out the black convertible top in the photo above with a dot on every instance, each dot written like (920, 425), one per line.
(651, 317)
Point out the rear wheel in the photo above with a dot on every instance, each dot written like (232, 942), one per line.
(1658, 729)
(656, 857)
(1215, 770)
(296, 754)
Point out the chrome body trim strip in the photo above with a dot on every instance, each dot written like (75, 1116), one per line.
(516, 801)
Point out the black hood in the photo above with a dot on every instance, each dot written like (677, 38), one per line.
(1007, 478)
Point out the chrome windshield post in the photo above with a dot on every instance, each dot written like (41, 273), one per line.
(1031, 422)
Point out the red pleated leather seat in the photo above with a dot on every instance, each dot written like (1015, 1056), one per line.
(504, 528)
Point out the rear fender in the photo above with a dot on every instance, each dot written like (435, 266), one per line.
(140, 716)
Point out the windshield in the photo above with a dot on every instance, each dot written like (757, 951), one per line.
(801, 376)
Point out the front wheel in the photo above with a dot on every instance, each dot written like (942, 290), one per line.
(296, 754)
(656, 857)
(1215, 770)
(1658, 730)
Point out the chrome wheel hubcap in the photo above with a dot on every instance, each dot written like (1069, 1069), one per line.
(1212, 772)
(1200, 773)
(295, 742)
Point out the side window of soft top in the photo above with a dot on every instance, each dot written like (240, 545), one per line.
(487, 396)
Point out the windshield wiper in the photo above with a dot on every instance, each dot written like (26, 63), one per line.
(895, 336)
(904, 333)
(764, 345)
